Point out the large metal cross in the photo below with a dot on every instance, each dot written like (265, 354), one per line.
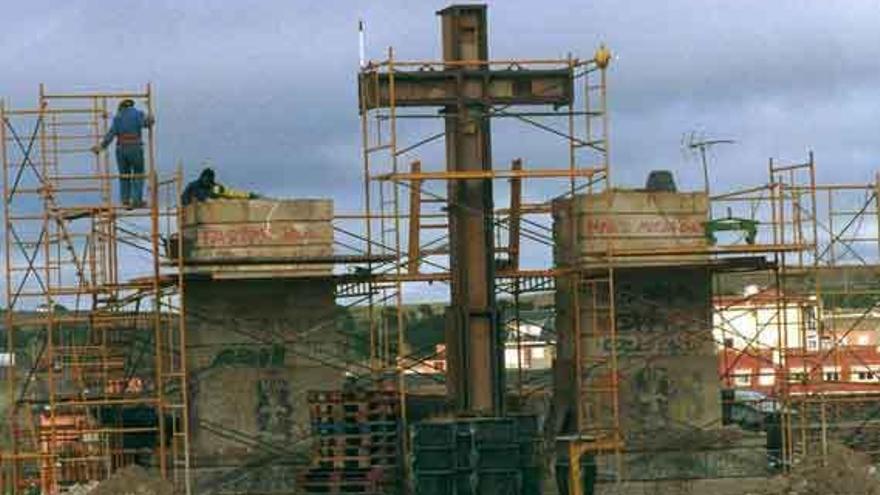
(468, 87)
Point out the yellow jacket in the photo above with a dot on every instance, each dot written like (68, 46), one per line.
(221, 191)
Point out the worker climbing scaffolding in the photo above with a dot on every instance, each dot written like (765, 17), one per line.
(127, 128)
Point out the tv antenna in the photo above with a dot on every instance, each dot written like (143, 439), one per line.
(698, 142)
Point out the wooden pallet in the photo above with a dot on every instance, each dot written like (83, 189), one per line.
(350, 462)
(338, 481)
(336, 396)
(357, 450)
(358, 439)
(353, 408)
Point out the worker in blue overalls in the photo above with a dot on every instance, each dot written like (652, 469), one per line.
(127, 126)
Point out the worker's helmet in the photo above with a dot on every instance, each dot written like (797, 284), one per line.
(126, 103)
(207, 175)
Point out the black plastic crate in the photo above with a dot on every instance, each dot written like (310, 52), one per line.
(527, 426)
(492, 430)
(434, 458)
(499, 482)
(445, 483)
(532, 480)
(499, 457)
(435, 433)
(531, 453)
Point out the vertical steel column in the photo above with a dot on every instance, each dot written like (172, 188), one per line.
(473, 334)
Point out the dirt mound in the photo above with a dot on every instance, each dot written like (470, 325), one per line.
(133, 480)
(845, 472)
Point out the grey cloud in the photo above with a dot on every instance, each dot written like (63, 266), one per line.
(267, 91)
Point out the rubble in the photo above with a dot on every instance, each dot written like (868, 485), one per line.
(133, 480)
(82, 488)
(844, 472)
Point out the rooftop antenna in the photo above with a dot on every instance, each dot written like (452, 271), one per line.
(700, 143)
(362, 44)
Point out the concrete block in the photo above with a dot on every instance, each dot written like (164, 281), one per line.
(667, 368)
(267, 238)
(255, 347)
(617, 222)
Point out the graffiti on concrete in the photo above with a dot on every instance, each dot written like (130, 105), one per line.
(665, 314)
(664, 398)
(250, 357)
(255, 235)
(653, 386)
(274, 409)
(663, 339)
(651, 225)
(669, 345)
(264, 479)
(692, 393)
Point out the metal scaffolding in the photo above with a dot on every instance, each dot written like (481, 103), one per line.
(823, 241)
(94, 314)
(95, 317)
(408, 198)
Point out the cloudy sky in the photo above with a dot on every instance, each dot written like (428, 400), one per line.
(265, 90)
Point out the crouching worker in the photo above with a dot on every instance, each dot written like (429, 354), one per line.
(206, 187)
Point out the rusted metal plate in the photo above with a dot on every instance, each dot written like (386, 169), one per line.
(475, 372)
(450, 86)
(259, 233)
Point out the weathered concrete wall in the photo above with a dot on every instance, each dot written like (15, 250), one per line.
(669, 394)
(244, 238)
(725, 453)
(255, 347)
(667, 370)
(261, 333)
(669, 226)
(666, 365)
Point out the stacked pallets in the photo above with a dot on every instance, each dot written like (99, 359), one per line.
(357, 442)
(477, 456)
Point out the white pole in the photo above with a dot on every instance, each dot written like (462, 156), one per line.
(362, 43)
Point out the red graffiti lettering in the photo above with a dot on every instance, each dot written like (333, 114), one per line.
(251, 235)
(673, 226)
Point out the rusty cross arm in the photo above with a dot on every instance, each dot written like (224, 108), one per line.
(454, 84)
(466, 85)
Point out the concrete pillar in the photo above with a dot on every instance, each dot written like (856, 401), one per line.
(255, 348)
(667, 369)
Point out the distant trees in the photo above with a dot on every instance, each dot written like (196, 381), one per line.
(424, 325)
